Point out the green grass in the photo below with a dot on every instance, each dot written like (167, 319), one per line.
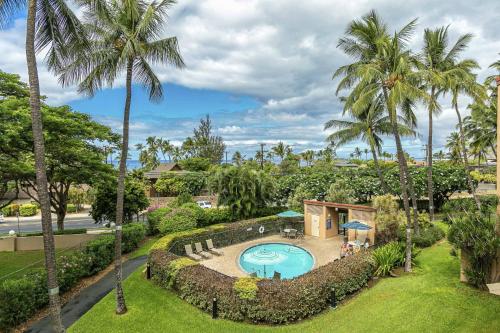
(13, 261)
(429, 300)
(143, 248)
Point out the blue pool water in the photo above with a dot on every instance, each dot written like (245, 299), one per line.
(265, 259)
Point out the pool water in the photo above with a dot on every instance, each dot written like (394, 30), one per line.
(265, 259)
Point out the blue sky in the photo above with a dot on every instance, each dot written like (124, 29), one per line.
(262, 69)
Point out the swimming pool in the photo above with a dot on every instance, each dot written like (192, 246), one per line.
(287, 259)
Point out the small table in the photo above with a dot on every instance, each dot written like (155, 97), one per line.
(287, 231)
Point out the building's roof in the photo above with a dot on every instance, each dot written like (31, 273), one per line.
(339, 205)
(163, 167)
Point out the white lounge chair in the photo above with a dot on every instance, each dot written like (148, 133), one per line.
(198, 249)
(190, 254)
(212, 249)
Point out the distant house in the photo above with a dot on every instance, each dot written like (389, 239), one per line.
(155, 174)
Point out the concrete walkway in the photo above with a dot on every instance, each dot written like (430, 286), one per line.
(87, 298)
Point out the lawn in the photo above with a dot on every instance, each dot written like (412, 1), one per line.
(13, 261)
(431, 299)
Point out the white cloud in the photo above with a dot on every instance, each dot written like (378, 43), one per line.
(283, 53)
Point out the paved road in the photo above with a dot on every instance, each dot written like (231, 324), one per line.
(34, 225)
(87, 298)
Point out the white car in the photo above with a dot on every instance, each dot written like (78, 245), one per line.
(204, 204)
(1, 218)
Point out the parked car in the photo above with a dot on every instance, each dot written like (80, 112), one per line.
(1, 218)
(204, 204)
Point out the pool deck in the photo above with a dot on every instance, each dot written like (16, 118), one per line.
(323, 250)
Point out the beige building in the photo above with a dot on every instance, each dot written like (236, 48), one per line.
(323, 219)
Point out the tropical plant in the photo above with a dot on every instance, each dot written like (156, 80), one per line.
(242, 189)
(383, 66)
(475, 235)
(388, 218)
(124, 37)
(387, 258)
(308, 156)
(368, 125)
(341, 192)
(281, 150)
(50, 26)
(237, 158)
(441, 71)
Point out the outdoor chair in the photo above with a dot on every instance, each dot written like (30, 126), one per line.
(190, 254)
(282, 233)
(300, 234)
(276, 276)
(199, 250)
(292, 233)
(212, 249)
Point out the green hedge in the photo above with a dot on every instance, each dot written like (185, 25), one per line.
(57, 232)
(71, 208)
(455, 207)
(28, 210)
(272, 302)
(10, 210)
(21, 298)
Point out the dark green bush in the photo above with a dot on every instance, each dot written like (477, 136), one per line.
(215, 216)
(275, 302)
(21, 298)
(178, 219)
(428, 236)
(154, 218)
(58, 232)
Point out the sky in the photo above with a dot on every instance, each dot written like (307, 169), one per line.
(263, 70)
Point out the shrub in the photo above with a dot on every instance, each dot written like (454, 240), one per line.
(388, 218)
(246, 287)
(10, 210)
(265, 301)
(475, 236)
(154, 218)
(71, 208)
(215, 216)
(457, 207)
(27, 210)
(428, 236)
(386, 258)
(178, 219)
(181, 199)
(341, 192)
(198, 212)
(58, 232)
(21, 298)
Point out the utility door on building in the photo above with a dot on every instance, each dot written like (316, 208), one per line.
(315, 225)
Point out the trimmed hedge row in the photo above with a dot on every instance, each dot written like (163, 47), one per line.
(273, 301)
(57, 232)
(21, 298)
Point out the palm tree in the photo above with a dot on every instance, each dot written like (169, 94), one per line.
(165, 148)
(357, 152)
(383, 66)
(308, 156)
(124, 38)
(237, 158)
(366, 153)
(50, 26)
(438, 66)
(465, 83)
(454, 147)
(281, 150)
(367, 126)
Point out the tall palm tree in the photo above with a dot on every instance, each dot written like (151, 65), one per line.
(165, 148)
(438, 66)
(465, 83)
(124, 37)
(357, 152)
(308, 156)
(368, 126)
(50, 25)
(281, 150)
(454, 147)
(383, 66)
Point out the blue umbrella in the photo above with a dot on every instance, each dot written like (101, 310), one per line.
(356, 225)
(290, 213)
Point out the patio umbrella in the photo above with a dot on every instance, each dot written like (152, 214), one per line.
(356, 225)
(290, 213)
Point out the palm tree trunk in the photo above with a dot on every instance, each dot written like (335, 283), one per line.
(377, 167)
(402, 180)
(41, 175)
(466, 162)
(430, 185)
(120, 192)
